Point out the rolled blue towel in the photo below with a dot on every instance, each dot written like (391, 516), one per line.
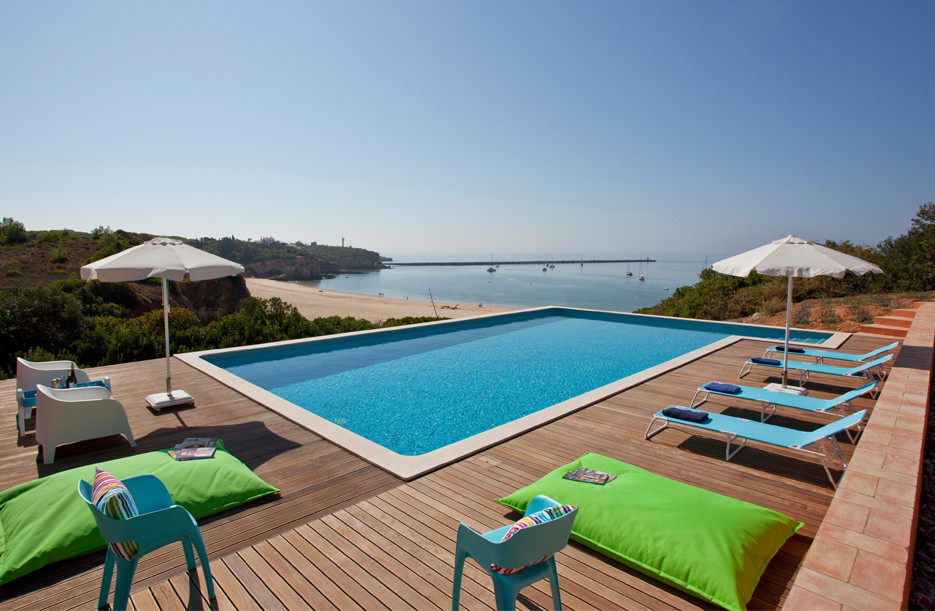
(732, 389)
(684, 413)
(791, 349)
(759, 360)
(94, 383)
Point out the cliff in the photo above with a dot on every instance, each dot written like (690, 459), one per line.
(210, 300)
(308, 267)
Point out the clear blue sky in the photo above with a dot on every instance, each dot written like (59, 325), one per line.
(481, 126)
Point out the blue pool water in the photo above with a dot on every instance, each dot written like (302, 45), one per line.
(416, 389)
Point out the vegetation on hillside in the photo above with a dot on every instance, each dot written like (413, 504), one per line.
(50, 313)
(248, 251)
(908, 262)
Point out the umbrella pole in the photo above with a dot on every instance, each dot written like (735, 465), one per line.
(785, 352)
(165, 316)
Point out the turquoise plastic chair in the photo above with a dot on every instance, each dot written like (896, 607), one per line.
(525, 546)
(160, 523)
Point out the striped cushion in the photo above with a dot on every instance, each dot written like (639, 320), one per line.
(546, 515)
(113, 499)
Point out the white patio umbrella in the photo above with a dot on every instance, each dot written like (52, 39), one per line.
(793, 257)
(170, 260)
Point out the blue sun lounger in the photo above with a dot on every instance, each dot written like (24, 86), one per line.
(784, 399)
(821, 355)
(864, 370)
(827, 451)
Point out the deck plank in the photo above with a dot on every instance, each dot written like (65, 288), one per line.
(345, 534)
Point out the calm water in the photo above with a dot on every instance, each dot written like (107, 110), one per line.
(420, 388)
(601, 286)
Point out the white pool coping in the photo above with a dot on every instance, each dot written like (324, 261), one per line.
(410, 467)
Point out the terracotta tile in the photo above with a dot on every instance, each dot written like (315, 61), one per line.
(913, 409)
(877, 503)
(910, 422)
(897, 492)
(831, 557)
(859, 482)
(889, 527)
(868, 457)
(904, 463)
(844, 593)
(877, 435)
(880, 575)
(847, 515)
(864, 542)
(906, 440)
(804, 600)
(882, 417)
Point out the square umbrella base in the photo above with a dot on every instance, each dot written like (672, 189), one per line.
(161, 400)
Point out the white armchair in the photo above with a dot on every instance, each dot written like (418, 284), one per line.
(66, 415)
(30, 374)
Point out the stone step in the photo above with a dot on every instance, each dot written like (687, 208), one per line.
(886, 330)
(903, 313)
(919, 304)
(892, 321)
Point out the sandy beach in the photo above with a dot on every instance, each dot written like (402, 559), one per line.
(314, 303)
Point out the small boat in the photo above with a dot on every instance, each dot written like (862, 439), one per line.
(642, 277)
(490, 269)
(545, 269)
(629, 273)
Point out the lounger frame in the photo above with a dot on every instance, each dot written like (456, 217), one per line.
(821, 355)
(828, 451)
(864, 371)
(843, 404)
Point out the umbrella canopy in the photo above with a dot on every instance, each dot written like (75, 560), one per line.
(793, 257)
(160, 258)
(167, 259)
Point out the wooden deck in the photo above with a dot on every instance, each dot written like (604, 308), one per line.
(345, 534)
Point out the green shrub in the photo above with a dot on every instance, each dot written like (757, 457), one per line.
(408, 320)
(14, 272)
(39, 355)
(774, 306)
(44, 317)
(828, 316)
(12, 231)
(802, 317)
(53, 236)
(862, 316)
(58, 255)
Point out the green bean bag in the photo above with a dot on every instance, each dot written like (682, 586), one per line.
(45, 520)
(709, 545)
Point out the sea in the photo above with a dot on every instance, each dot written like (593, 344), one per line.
(576, 282)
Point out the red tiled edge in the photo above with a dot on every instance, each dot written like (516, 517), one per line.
(862, 555)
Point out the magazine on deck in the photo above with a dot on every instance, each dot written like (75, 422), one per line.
(193, 448)
(192, 453)
(196, 442)
(590, 476)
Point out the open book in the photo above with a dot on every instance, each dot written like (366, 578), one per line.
(590, 476)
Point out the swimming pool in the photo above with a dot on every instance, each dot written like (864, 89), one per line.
(419, 394)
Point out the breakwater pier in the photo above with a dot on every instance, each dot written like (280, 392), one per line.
(526, 262)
